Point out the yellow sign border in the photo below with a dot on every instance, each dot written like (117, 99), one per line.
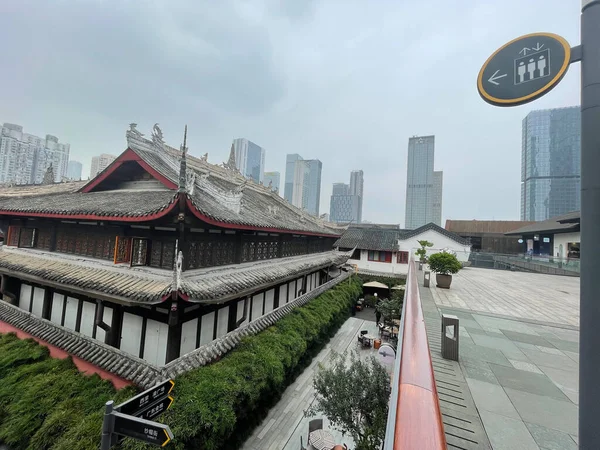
(547, 87)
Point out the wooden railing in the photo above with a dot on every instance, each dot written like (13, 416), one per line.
(414, 421)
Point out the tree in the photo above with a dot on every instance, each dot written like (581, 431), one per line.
(354, 397)
(444, 263)
(391, 309)
(422, 252)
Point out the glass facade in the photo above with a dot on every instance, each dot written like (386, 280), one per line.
(273, 178)
(306, 192)
(290, 166)
(346, 200)
(423, 185)
(249, 159)
(551, 163)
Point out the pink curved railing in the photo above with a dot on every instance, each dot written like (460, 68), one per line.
(415, 420)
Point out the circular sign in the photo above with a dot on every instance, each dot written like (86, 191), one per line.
(524, 69)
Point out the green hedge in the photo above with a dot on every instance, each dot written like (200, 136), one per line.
(47, 404)
(389, 281)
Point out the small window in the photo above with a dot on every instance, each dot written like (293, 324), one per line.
(27, 237)
(122, 250)
(380, 256)
(356, 255)
(139, 254)
(402, 258)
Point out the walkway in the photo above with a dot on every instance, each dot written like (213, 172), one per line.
(285, 423)
(519, 345)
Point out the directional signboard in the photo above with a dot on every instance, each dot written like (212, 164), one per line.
(524, 69)
(143, 401)
(141, 429)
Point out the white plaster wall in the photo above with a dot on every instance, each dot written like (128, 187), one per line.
(131, 334)
(291, 290)
(269, 298)
(188, 336)
(38, 301)
(107, 319)
(25, 297)
(257, 306)
(391, 267)
(207, 328)
(71, 313)
(58, 301)
(439, 243)
(155, 344)
(282, 294)
(564, 239)
(88, 313)
(222, 321)
(240, 312)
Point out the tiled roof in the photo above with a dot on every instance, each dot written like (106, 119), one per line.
(407, 234)
(129, 367)
(484, 226)
(561, 224)
(25, 190)
(372, 238)
(386, 239)
(121, 203)
(102, 279)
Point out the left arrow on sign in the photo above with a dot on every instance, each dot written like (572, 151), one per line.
(495, 77)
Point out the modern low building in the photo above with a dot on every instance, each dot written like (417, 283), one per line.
(489, 236)
(159, 255)
(557, 237)
(386, 249)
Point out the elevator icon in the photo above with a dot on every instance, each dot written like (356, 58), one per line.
(532, 66)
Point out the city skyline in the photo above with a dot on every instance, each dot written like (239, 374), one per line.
(424, 185)
(551, 163)
(274, 178)
(249, 159)
(100, 162)
(306, 193)
(347, 200)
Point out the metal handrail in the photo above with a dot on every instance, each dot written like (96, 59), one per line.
(415, 420)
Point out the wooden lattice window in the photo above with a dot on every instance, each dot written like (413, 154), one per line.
(43, 239)
(139, 254)
(27, 237)
(122, 250)
(162, 254)
(402, 258)
(12, 239)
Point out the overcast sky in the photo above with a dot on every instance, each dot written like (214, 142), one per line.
(347, 82)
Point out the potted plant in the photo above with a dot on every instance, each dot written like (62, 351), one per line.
(444, 265)
(422, 252)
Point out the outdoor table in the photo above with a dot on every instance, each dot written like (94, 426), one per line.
(370, 337)
(321, 440)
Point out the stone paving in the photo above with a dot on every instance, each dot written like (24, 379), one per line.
(285, 423)
(519, 345)
(546, 298)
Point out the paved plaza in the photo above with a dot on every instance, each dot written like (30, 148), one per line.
(519, 344)
(285, 423)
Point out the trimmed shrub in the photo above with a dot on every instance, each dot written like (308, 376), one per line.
(388, 281)
(47, 404)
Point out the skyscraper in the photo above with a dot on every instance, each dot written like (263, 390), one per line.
(249, 159)
(273, 178)
(74, 170)
(99, 163)
(551, 163)
(290, 167)
(306, 193)
(346, 200)
(423, 185)
(25, 158)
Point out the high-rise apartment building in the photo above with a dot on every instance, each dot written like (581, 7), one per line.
(99, 163)
(74, 170)
(346, 200)
(249, 159)
(423, 185)
(25, 158)
(306, 192)
(290, 167)
(551, 163)
(272, 178)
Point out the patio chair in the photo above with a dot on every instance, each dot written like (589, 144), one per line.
(314, 425)
(363, 332)
(360, 339)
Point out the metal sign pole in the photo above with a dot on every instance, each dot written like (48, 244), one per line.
(589, 366)
(107, 426)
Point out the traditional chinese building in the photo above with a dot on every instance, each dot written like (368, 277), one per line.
(159, 254)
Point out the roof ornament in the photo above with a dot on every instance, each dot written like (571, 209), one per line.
(177, 268)
(271, 184)
(273, 210)
(133, 130)
(230, 164)
(239, 189)
(183, 164)
(49, 175)
(157, 137)
(204, 157)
